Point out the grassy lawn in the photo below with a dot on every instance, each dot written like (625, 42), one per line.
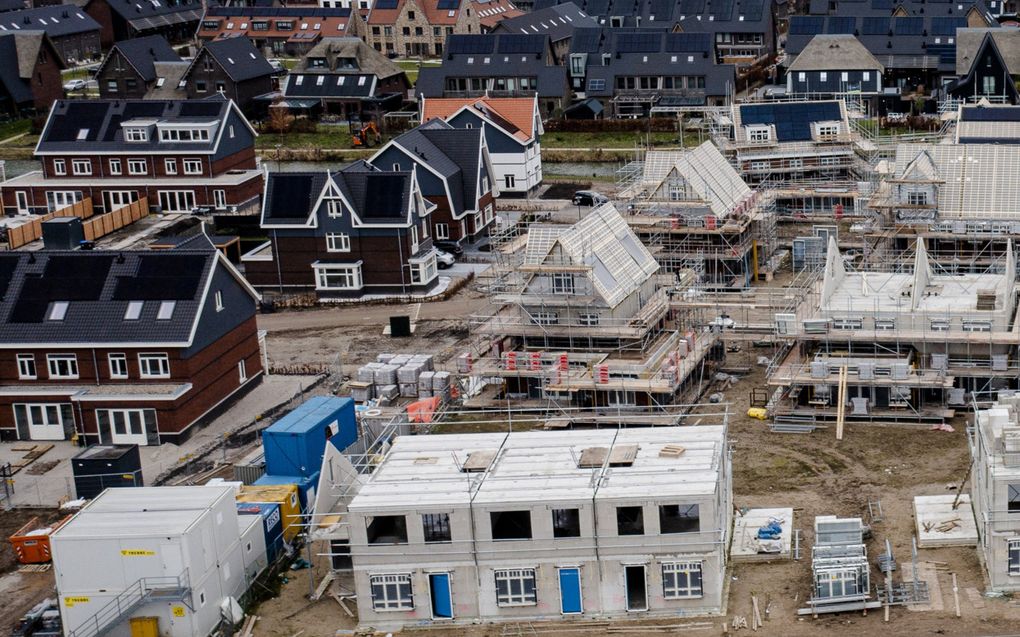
(16, 127)
(411, 67)
(627, 139)
(327, 136)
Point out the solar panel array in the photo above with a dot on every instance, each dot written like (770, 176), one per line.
(64, 278)
(284, 12)
(806, 25)
(991, 114)
(841, 25)
(195, 108)
(585, 40)
(882, 5)
(520, 43)
(164, 277)
(691, 7)
(639, 42)
(721, 9)
(384, 196)
(752, 10)
(688, 42)
(908, 26)
(597, 7)
(385, 4)
(461, 44)
(792, 120)
(447, 5)
(943, 25)
(660, 9)
(77, 116)
(8, 264)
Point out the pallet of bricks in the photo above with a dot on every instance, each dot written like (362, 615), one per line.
(394, 376)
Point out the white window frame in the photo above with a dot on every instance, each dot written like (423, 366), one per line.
(136, 135)
(917, 198)
(133, 167)
(442, 231)
(170, 165)
(26, 367)
(182, 200)
(414, 238)
(1013, 566)
(154, 365)
(338, 242)
(351, 272)
(59, 167)
(118, 365)
(677, 591)
(219, 198)
(759, 134)
(334, 208)
(827, 130)
(50, 423)
(127, 417)
(520, 577)
(192, 166)
(54, 364)
(81, 167)
(219, 300)
(392, 598)
(563, 283)
(588, 319)
(242, 372)
(423, 270)
(116, 168)
(545, 318)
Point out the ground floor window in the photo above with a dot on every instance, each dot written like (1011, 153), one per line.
(391, 592)
(423, 271)
(442, 231)
(1013, 553)
(57, 199)
(681, 580)
(620, 398)
(43, 421)
(177, 200)
(516, 587)
(115, 199)
(126, 426)
(338, 277)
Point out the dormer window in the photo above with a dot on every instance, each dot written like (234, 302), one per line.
(917, 198)
(136, 135)
(759, 134)
(183, 134)
(826, 129)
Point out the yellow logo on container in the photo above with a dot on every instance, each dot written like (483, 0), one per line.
(71, 601)
(178, 611)
(136, 552)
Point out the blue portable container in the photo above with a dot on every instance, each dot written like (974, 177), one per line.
(305, 486)
(294, 444)
(272, 524)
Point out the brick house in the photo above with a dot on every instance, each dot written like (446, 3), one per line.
(127, 347)
(419, 28)
(233, 68)
(344, 234)
(181, 155)
(290, 30)
(29, 73)
(73, 32)
(129, 69)
(454, 172)
(176, 20)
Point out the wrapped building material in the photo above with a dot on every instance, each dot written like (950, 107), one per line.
(386, 375)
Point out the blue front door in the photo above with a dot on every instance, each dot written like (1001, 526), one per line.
(442, 605)
(570, 590)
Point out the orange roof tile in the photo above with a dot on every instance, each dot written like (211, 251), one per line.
(493, 12)
(519, 112)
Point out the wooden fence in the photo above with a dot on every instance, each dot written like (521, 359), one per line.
(32, 230)
(94, 227)
(112, 221)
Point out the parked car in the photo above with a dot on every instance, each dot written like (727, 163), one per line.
(450, 246)
(444, 259)
(75, 85)
(589, 198)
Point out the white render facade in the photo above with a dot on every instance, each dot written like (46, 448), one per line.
(995, 490)
(543, 525)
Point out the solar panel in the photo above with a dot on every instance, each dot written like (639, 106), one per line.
(386, 4)
(597, 8)
(661, 9)
(446, 5)
(384, 196)
(520, 43)
(875, 26)
(692, 7)
(585, 40)
(752, 10)
(943, 25)
(806, 25)
(908, 26)
(638, 42)
(8, 263)
(722, 10)
(162, 277)
(882, 5)
(460, 44)
(841, 25)
(792, 120)
(991, 114)
(688, 42)
(78, 115)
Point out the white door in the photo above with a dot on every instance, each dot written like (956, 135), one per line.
(21, 198)
(44, 422)
(220, 199)
(127, 427)
(177, 200)
(173, 563)
(116, 199)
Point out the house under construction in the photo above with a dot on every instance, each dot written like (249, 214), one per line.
(894, 346)
(694, 212)
(585, 321)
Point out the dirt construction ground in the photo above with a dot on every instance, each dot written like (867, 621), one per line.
(813, 473)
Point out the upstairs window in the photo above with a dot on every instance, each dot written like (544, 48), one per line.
(26, 366)
(387, 529)
(436, 527)
(136, 135)
(510, 525)
(62, 365)
(758, 134)
(679, 518)
(154, 365)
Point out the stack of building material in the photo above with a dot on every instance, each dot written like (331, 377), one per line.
(425, 384)
(393, 375)
(441, 385)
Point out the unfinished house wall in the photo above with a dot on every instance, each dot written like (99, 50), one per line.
(534, 531)
(995, 489)
(915, 346)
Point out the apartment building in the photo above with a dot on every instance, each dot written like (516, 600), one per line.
(180, 154)
(529, 526)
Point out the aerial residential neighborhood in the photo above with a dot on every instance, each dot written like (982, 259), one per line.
(509, 318)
